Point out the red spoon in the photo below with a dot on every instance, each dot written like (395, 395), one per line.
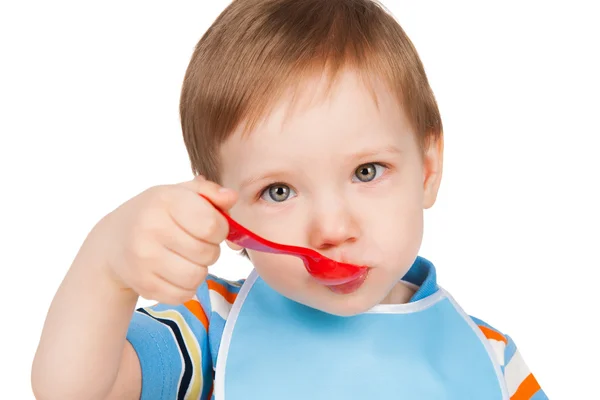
(323, 269)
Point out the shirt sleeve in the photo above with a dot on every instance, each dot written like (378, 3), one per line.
(520, 381)
(172, 345)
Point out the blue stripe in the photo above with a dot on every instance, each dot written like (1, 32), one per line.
(483, 323)
(207, 369)
(539, 395)
(217, 325)
(159, 357)
(511, 349)
(204, 299)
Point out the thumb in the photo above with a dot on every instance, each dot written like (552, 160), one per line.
(221, 197)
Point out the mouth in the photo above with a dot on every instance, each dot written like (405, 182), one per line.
(350, 286)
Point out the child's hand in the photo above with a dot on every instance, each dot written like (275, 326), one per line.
(161, 242)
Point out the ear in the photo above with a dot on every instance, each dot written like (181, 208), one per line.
(432, 171)
(233, 246)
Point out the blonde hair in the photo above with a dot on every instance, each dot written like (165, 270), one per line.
(256, 50)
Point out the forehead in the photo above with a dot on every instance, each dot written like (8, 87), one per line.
(319, 120)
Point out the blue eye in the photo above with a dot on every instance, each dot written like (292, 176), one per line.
(277, 193)
(368, 172)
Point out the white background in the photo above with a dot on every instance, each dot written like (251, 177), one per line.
(89, 117)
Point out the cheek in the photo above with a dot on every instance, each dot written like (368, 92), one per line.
(397, 226)
(285, 274)
(274, 224)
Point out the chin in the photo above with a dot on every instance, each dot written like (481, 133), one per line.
(343, 304)
(322, 298)
(350, 299)
(369, 293)
(346, 307)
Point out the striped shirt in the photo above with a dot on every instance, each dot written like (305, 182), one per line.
(178, 345)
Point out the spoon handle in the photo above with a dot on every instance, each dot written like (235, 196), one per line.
(242, 236)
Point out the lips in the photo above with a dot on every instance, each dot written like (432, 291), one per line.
(350, 286)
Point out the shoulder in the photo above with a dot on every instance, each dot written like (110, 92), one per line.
(520, 382)
(497, 340)
(217, 295)
(232, 285)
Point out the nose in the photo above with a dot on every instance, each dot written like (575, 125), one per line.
(332, 224)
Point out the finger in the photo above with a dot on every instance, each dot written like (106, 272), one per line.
(198, 218)
(180, 272)
(195, 250)
(219, 196)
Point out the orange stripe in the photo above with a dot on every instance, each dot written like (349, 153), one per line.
(526, 389)
(492, 334)
(222, 290)
(196, 309)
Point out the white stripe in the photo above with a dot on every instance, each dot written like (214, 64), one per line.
(499, 346)
(515, 373)
(219, 304)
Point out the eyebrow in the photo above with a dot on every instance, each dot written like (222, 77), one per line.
(390, 149)
(269, 175)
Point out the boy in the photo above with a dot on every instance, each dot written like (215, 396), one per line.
(312, 123)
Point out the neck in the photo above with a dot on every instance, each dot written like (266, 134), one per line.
(400, 294)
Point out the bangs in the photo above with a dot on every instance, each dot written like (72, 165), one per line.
(258, 51)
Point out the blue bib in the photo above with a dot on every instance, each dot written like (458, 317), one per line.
(428, 349)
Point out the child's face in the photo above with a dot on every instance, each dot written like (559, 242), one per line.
(339, 175)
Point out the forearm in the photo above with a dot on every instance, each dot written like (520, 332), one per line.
(82, 342)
